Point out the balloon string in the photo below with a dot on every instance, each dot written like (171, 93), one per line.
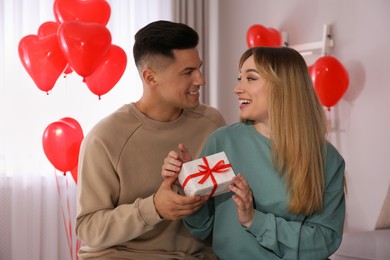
(78, 245)
(63, 216)
(330, 125)
(69, 217)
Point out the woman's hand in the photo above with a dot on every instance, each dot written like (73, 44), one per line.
(244, 200)
(174, 161)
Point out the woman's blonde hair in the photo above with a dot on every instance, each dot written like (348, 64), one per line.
(297, 123)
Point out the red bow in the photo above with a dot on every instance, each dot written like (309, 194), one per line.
(205, 170)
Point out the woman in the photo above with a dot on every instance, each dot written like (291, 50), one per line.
(288, 198)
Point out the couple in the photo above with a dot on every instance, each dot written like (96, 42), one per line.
(287, 202)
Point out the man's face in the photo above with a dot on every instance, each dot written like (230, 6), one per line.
(178, 83)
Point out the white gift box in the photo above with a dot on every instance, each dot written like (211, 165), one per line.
(210, 175)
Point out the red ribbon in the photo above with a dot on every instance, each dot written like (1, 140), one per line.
(206, 172)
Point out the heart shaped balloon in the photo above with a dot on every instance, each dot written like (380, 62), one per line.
(104, 78)
(90, 11)
(84, 45)
(75, 173)
(258, 35)
(61, 143)
(310, 69)
(68, 70)
(274, 38)
(43, 59)
(47, 28)
(330, 80)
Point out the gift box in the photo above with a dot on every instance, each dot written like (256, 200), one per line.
(210, 175)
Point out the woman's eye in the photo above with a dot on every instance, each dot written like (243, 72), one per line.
(246, 78)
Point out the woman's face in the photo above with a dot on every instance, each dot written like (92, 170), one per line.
(252, 94)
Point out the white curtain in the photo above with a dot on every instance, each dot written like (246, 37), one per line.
(37, 203)
(36, 222)
(202, 15)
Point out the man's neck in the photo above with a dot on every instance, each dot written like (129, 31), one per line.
(157, 112)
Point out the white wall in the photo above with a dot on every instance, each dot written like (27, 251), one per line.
(361, 118)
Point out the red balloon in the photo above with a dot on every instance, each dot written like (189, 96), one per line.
(61, 143)
(43, 59)
(274, 37)
(89, 11)
(84, 45)
(258, 35)
(310, 69)
(104, 78)
(68, 70)
(47, 28)
(330, 80)
(75, 173)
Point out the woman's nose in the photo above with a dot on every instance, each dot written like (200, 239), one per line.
(237, 89)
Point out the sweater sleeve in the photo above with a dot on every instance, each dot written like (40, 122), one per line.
(100, 222)
(318, 235)
(200, 224)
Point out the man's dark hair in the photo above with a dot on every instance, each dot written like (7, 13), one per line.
(161, 38)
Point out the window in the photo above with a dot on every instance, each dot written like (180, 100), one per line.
(32, 211)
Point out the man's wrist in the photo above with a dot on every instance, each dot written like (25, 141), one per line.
(154, 203)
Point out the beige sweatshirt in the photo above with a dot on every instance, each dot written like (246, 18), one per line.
(120, 170)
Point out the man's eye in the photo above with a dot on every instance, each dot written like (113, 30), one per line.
(187, 72)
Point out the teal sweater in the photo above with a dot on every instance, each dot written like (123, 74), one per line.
(274, 233)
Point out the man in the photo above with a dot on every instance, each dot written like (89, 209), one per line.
(125, 209)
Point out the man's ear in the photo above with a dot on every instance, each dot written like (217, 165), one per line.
(149, 76)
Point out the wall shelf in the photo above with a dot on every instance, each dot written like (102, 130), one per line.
(321, 48)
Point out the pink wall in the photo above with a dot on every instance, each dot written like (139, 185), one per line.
(360, 121)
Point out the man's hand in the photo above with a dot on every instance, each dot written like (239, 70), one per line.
(172, 206)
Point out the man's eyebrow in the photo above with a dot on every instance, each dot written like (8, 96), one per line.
(188, 69)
